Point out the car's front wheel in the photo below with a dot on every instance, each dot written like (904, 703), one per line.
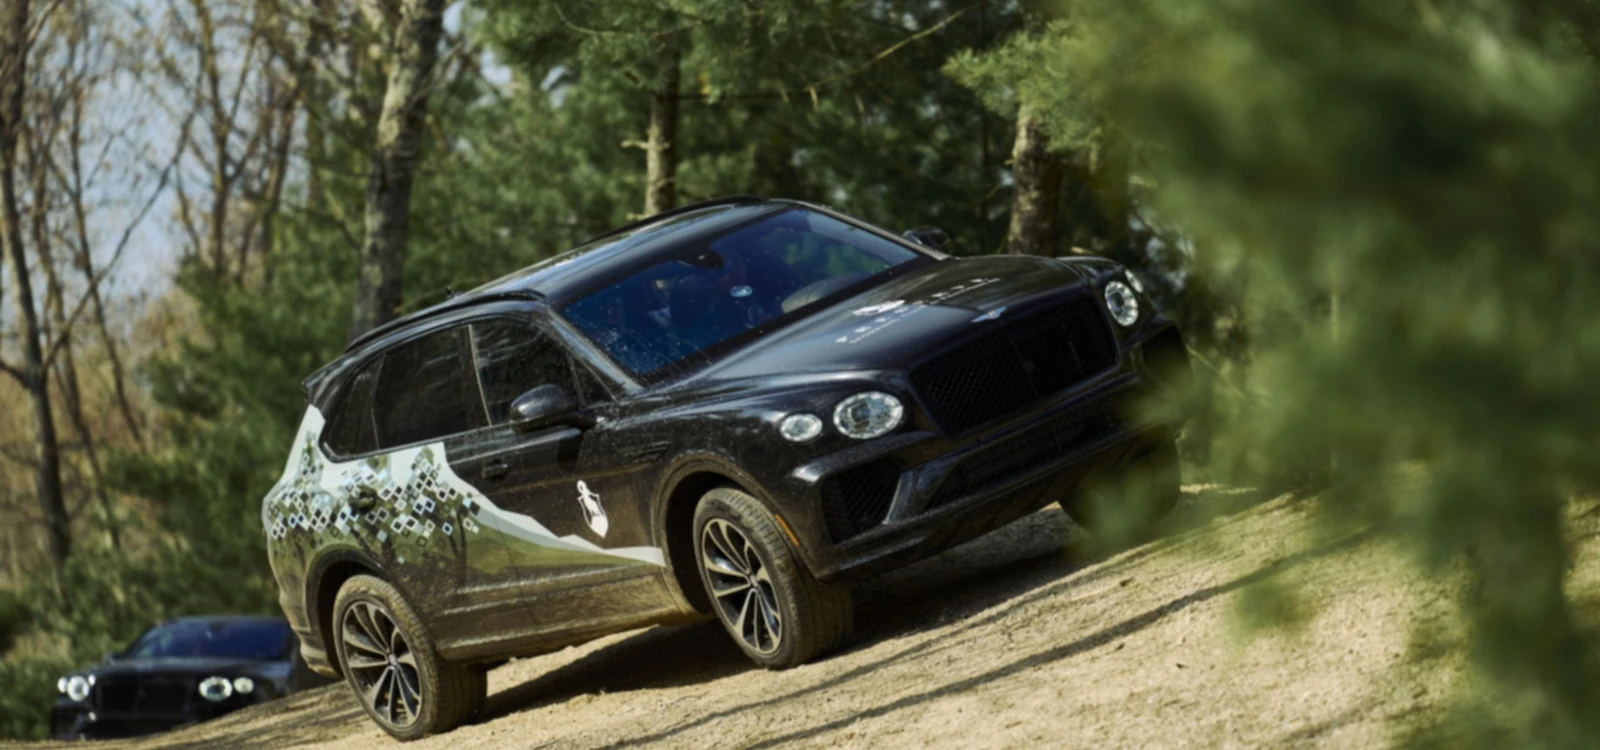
(389, 661)
(779, 614)
(1125, 506)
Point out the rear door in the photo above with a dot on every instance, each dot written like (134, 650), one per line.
(423, 518)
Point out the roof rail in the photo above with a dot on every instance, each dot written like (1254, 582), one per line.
(454, 303)
(730, 200)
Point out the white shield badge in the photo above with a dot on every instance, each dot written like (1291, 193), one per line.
(593, 514)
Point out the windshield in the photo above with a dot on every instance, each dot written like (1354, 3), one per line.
(261, 640)
(712, 292)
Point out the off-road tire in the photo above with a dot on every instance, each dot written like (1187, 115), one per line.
(450, 693)
(816, 617)
(1146, 489)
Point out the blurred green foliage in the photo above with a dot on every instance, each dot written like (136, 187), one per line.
(1400, 200)
(24, 704)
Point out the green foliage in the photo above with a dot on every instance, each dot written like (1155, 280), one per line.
(788, 99)
(25, 701)
(14, 618)
(1399, 200)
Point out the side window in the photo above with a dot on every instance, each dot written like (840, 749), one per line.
(514, 358)
(350, 430)
(425, 391)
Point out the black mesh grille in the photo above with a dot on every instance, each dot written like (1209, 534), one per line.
(1016, 366)
(858, 499)
(994, 465)
(146, 694)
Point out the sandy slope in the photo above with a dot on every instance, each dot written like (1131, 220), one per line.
(1005, 642)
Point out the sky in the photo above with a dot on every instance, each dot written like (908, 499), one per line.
(135, 115)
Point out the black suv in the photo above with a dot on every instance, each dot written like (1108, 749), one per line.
(179, 672)
(733, 408)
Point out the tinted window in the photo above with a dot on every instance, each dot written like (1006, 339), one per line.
(513, 358)
(350, 429)
(425, 392)
(262, 640)
(715, 291)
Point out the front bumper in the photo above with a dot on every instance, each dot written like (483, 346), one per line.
(70, 720)
(959, 494)
(885, 503)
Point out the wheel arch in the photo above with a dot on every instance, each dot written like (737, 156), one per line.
(327, 577)
(689, 481)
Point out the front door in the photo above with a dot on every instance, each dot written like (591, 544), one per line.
(565, 497)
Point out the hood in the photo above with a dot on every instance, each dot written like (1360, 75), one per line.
(897, 323)
(198, 666)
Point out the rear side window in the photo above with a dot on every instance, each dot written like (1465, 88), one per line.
(425, 391)
(514, 358)
(350, 429)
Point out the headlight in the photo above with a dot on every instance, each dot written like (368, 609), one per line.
(76, 687)
(1122, 304)
(243, 685)
(868, 415)
(215, 689)
(799, 428)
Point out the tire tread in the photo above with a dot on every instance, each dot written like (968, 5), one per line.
(461, 689)
(825, 611)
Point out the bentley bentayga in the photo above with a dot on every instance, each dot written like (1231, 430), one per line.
(732, 409)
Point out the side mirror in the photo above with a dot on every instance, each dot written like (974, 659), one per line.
(109, 657)
(546, 406)
(928, 236)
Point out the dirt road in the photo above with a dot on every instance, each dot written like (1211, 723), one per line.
(1009, 641)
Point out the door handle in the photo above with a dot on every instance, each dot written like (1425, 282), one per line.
(363, 499)
(497, 469)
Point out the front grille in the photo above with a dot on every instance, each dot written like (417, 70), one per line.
(857, 499)
(142, 694)
(993, 465)
(1017, 366)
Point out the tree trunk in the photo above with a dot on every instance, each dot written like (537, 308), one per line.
(65, 365)
(414, 52)
(85, 263)
(277, 172)
(1036, 199)
(661, 151)
(221, 122)
(47, 450)
(1113, 188)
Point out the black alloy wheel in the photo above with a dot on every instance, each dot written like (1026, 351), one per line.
(383, 668)
(779, 614)
(741, 586)
(390, 663)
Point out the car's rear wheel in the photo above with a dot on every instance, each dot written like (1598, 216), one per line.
(780, 615)
(1126, 504)
(389, 660)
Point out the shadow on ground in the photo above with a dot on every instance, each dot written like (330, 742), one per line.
(326, 713)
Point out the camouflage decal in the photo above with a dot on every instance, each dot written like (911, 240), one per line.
(417, 500)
